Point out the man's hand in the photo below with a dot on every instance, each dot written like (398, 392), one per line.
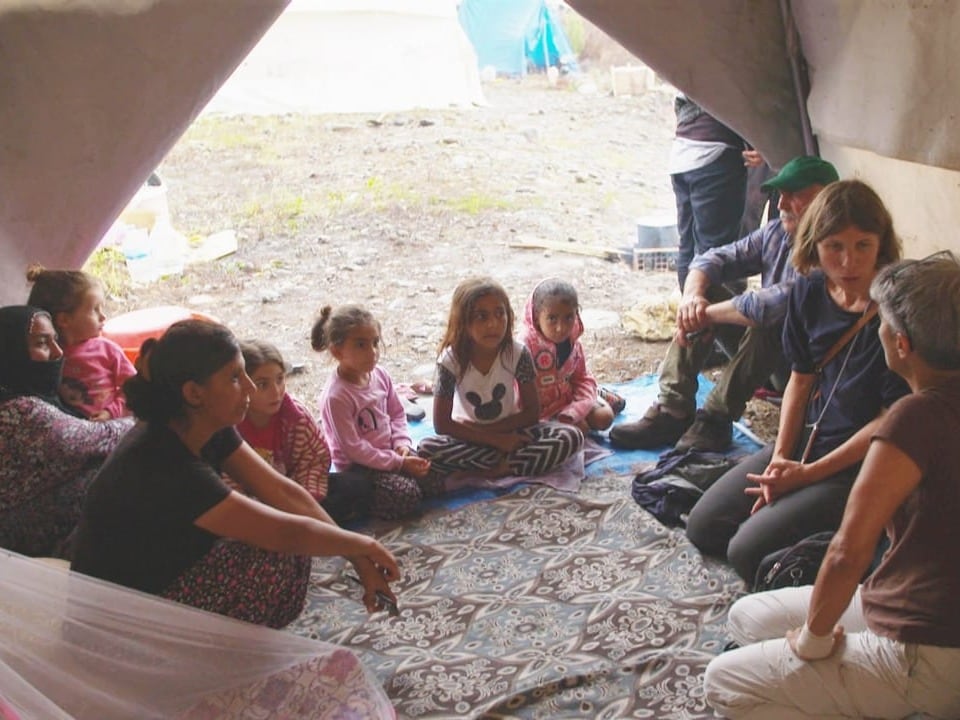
(752, 158)
(692, 314)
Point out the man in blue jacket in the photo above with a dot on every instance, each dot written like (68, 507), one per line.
(707, 307)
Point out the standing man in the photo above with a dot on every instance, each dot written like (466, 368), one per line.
(709, 181)
(707, 307)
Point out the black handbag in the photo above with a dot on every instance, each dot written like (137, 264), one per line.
(793, 566)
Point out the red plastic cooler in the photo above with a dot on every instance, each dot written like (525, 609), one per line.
(131, 329)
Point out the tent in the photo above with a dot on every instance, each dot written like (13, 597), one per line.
(512, 36)
(310, 60)
(95, 92)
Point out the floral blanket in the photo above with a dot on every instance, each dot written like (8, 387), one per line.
(537, 604)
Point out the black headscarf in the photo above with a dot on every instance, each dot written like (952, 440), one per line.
(19, 375)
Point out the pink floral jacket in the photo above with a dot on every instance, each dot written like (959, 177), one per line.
(567, 393)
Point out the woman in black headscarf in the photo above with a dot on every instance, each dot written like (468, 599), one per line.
(48, 455)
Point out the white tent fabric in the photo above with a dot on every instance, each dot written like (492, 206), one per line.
(326, 56)
(75, 647)
(884, 76)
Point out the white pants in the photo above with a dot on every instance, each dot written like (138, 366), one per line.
(869, 676)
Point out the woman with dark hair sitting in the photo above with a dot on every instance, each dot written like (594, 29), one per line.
(50, 454)
(891, 646)
(838, 390)
(160, 519)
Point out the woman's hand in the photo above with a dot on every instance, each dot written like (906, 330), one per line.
(811, 648)
(779, 478)
(415, 466)
(376, 569)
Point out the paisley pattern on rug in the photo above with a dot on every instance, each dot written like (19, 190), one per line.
(537, 604)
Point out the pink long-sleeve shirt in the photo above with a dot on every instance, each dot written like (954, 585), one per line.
(364, 425)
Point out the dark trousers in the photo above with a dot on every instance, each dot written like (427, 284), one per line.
(710, 203)
(720, 524)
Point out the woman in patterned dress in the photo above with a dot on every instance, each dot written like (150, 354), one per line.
(159, 517)
(49, 454)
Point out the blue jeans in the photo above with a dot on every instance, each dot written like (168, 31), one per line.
(710, 202)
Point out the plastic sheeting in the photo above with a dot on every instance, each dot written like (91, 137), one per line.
(510, 35)
(75, 647)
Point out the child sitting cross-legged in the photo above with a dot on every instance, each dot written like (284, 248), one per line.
(485, 401)
(551, 331)
(363, 417)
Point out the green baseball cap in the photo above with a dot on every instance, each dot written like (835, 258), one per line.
(802, 172)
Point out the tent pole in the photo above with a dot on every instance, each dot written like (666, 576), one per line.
(801, 80)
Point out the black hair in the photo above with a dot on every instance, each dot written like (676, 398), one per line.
(190, 350)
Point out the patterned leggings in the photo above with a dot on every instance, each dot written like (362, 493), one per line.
(246, 583)
(551, 444)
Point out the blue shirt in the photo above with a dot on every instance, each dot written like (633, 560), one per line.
(814, 324)
(764, 252)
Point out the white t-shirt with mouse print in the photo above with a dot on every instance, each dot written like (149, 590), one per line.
(485, 397)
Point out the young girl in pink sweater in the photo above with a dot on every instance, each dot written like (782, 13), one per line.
(363, 418)
(551, 331)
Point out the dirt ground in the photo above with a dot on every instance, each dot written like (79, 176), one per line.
(393, 211)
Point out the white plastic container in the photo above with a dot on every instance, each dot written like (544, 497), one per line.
(657, 231)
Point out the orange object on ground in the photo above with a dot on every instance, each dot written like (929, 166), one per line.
(129, 330)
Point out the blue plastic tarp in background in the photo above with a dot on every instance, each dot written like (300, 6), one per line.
(513, 36)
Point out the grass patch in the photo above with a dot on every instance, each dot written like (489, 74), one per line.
(109, 266)
(472, 204)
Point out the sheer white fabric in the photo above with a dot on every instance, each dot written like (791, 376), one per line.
(75, 647)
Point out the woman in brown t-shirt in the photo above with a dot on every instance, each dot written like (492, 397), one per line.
(890, 647)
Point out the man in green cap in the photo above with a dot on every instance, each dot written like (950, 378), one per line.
(707, 309)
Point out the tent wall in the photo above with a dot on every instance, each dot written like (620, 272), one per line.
(885, 107)
(883, 100)
(728, 55)
(93, 96)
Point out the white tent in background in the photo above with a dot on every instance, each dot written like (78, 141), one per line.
(324, 56)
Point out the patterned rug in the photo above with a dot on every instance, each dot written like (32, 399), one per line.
(537, 604)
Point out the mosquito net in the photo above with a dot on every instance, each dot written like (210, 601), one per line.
(75, 647)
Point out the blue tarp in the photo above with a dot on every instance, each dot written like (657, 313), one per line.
(514, 36)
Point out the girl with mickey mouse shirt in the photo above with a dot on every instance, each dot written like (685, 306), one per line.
(485, 404)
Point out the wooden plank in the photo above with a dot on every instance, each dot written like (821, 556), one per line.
(568, 247)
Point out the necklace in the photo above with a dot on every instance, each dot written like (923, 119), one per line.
(815, 427)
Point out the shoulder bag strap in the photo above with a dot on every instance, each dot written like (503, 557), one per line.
(848, 335)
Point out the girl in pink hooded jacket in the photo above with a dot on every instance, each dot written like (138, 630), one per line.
(551, 330)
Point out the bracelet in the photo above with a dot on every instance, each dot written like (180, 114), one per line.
(813, 647)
